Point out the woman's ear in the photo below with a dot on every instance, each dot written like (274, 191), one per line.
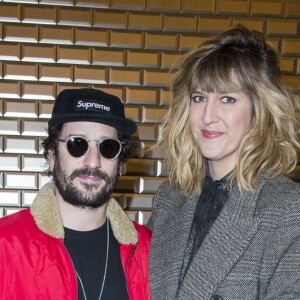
(50, 158)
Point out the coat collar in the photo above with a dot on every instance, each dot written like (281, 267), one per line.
(46, 214)
(226, 242)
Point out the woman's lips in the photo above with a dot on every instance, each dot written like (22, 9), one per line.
(209, 134)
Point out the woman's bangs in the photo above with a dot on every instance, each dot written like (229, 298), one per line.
(216, 75)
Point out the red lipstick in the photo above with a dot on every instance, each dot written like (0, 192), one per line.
(209, 134)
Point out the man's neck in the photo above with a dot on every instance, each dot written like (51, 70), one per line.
(79, 218)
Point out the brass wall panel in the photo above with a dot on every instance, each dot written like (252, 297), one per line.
(277, 27)
(56, 35)
(74, 17)
(91, 37)
(95, 75)
(19, 144)
(290, 46)
(20, 71)
(142, 59)
(45, 109)
(92, 3)
(10, 51)
(208, 24)
(126, 39)
(156, 78)
(13, 108)
(145, 21)
(10, 12)
(10, 127)
(180, 23)
(33, 163)
(232, 7)
(33, 127)
(56, 73)
(266, 8)
(168, 59)
(74, 55)
(108, 57)
(110, 19)
(133, 112)
(153, 114)
(39, 15)
(10, 163)
(187, 42)
(8, 198)
(292, 8)
(163, 5)
(38, 90)
(125, 76)
(124, 47)
(293, 82)
(20, 33)
(56, 2)
(203, 7)
(253, 23)
(288, 65)
(164, 97)
(141, 96)
(128, 4)
(38, 53)
(160, 41)
(9, 89)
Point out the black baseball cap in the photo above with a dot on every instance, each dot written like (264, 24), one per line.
(90, 105)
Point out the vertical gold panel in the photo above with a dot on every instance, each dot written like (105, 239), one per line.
(123, 47)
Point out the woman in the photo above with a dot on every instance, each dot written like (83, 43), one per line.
(227, 223)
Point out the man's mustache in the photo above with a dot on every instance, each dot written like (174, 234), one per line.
(89, 172)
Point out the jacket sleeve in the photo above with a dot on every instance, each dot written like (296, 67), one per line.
(138, 274)
(4, 279)
(285, 282)
(284, 256)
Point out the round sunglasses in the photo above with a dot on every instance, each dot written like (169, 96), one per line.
(78, 146)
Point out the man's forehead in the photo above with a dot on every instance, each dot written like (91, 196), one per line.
(88, 129)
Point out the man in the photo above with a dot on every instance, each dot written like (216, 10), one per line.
(75, 242)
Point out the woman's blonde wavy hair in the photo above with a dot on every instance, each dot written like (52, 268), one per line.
(238, 60)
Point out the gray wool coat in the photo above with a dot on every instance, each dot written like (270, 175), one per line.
(251, 252)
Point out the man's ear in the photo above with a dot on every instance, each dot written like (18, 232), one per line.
(121, 165)
(50, 158)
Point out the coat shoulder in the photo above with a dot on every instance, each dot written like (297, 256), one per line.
(282, 190)
(16, 223)
(168, 195)
(279, 200)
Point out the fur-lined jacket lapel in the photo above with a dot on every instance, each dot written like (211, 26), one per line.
(45, 212)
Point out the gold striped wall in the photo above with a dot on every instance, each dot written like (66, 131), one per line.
(124, 47)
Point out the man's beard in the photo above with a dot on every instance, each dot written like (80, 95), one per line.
(87, 197)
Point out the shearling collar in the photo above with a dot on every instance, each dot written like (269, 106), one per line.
(45, 211)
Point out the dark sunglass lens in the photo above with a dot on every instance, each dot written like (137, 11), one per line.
(109, 148)
(77, 146)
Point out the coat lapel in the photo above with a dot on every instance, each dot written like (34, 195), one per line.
(168, 245)
(227, 240)
(46, 214)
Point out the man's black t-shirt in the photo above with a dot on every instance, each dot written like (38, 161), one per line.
(88, 252)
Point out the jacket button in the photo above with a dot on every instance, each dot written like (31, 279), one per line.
(216, 297)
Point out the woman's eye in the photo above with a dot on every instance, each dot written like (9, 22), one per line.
(197, 98)
(227, 99)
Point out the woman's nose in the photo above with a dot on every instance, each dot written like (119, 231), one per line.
(210, 114)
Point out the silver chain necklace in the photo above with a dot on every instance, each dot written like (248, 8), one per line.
(105, 269)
